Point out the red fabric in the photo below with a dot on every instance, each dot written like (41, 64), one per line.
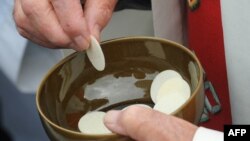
(206, 39)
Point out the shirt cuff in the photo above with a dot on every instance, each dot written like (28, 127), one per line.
(205, 134)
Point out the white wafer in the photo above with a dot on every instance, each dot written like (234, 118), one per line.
(174, 85)
(170, 103)
(95, 54)
(159, 80)
(92, 123)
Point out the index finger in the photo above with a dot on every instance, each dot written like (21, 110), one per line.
(98, 13)
(71, 17)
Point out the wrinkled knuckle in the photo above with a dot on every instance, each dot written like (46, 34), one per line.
(59, 41)
(106, 13)
(107, 6)
(107, 9)
(20, 21)
(29, 7)
(70, 28)
(22, 32)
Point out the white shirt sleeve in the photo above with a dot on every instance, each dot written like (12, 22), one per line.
(166, 24)
(205, 134)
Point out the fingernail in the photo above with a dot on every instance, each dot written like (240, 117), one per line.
(111, 121)
(111, 117)
(72, 45)
(96, 32)
(81, 43)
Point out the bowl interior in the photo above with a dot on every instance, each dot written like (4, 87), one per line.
(73, 87)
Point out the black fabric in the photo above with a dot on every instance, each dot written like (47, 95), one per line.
(4, 135)
(133, 4)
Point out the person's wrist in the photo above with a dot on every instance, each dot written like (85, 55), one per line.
(186, 129)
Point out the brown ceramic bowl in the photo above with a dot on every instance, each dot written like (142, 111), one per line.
(73, 87)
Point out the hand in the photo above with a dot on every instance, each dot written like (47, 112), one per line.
(145, 124)
(62, 23)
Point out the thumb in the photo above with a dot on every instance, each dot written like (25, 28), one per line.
(144, 124)
(98, 13)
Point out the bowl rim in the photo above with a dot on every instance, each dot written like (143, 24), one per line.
(162, 40)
